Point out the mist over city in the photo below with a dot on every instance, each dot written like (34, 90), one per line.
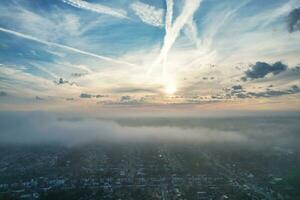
(149, 100)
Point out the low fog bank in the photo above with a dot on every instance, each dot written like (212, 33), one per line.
(18, 128)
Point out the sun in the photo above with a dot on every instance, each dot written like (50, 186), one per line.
(170, 88)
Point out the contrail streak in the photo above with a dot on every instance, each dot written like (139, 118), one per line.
(28, 37)
(172, 32)
(168, 29)
(97, 8)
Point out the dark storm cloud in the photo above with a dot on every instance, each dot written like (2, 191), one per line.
(3, 94)
(294, 20)
(261, 69)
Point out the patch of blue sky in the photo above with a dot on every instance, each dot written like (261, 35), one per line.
(15, 50)
(121, 38)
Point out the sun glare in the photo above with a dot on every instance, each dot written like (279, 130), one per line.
(170, 89)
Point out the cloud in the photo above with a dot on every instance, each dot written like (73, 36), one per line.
(128, 100)
(261, 69)
(294, 20)
(125, 98)
(3, 94)
(238, 92)
(85, 95)
(237, 87)
(100, 96)
(275, 93)
(241, 95)
(265, 94)
(148, 14)
(98, 8)
(61, 81)
(88, 96)
(39, 98)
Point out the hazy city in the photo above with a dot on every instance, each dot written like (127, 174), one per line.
(149, 99)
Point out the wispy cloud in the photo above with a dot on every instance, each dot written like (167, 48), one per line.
(98, 8)
(148, 14)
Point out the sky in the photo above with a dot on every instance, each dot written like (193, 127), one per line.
(183, 55)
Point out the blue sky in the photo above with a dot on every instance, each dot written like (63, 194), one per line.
(68, 53)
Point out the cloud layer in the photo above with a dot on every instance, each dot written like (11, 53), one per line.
(54, 128)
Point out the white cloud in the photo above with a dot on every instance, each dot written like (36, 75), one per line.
(148, 14)
(97, 8)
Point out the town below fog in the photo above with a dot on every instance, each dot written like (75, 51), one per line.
(258, 167)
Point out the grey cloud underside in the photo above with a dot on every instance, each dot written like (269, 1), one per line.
(39, 98)
(124, 100)
(88, 96)
(294, 20)
(127, 100)
(3, 94)
(266, 94)
(262, 69)
(61, 81)
(237, 87)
